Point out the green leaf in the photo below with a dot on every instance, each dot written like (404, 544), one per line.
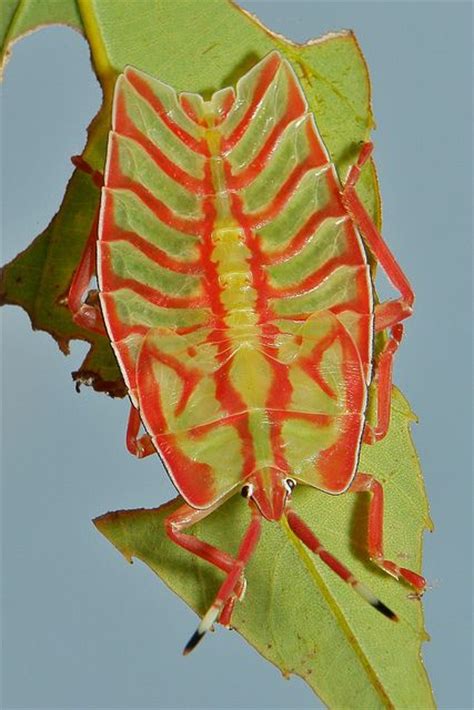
(20, 17)
(223, 42)
(296, 612)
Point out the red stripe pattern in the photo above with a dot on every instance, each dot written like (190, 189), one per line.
(234, 286)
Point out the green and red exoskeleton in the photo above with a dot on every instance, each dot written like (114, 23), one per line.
(235, 289)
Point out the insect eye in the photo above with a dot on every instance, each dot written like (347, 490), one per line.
(246, 491)
(290, 483)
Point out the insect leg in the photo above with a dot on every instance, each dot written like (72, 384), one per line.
(391, 312)
(383, 385)
(226, 590)
(307, 537)
(138, 446)
(184, 517)
(364, 482)
(85, 314)
(226, 613)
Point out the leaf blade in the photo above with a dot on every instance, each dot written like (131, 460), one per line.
(21, 17)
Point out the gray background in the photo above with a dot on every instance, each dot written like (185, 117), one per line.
(81, 628)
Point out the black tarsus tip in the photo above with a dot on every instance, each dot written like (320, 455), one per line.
(193, 642)
(380, 606)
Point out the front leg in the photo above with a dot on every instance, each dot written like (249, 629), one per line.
(225, 598)
(85, 314)
(186, 516)
(138, 446)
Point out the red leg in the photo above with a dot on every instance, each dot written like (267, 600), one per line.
(364, 482)
(226, 594)
(307, 537)
(383, 385)
(183, 518)
(391, 312)
(84, 314)
(142, 446)
(225, 617)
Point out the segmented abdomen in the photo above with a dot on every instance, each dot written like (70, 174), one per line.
(234, 286)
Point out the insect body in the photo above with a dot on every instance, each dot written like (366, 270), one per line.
(236, 292)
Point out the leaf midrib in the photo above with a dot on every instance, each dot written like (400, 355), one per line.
(100, 58)
(337, 612)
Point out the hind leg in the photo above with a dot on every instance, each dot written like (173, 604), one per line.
(383, 387)
(365, 483)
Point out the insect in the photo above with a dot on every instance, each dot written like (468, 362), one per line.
(235, 289)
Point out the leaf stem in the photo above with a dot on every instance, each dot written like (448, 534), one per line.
(100, 58)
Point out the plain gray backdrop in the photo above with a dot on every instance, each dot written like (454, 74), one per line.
(81, 628)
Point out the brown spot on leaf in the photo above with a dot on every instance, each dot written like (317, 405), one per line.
(114, 388)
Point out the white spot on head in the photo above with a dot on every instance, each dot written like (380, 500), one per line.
(289, 484)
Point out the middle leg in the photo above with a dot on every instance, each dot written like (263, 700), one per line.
(228, 591)
(383, 386)
(184, 517)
